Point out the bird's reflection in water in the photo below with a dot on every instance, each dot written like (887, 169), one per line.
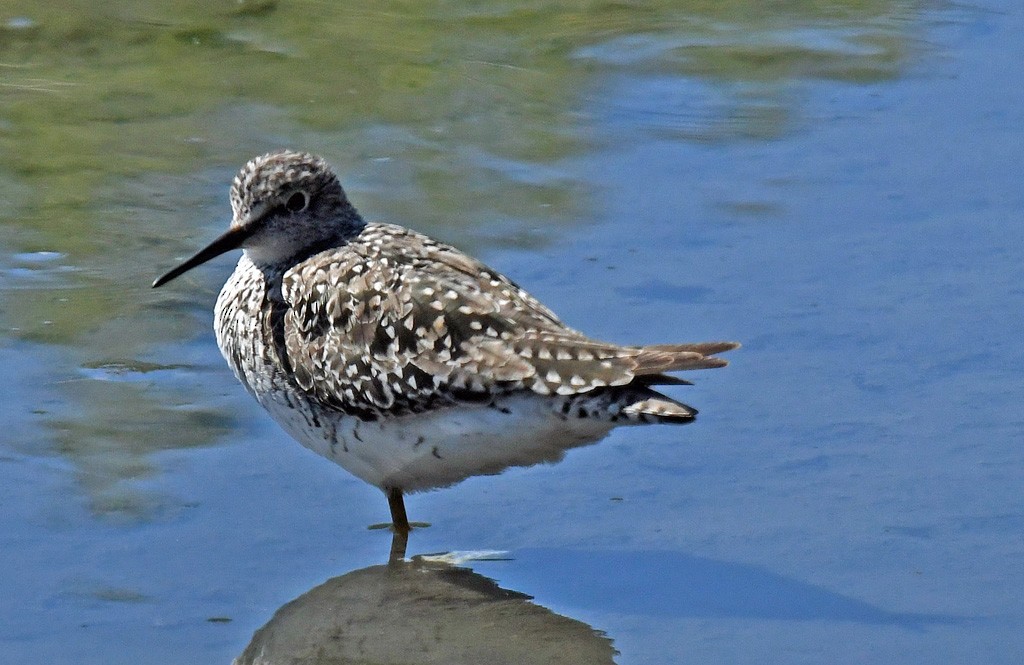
(421, 611)
(399, 544)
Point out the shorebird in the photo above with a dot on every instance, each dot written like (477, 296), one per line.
(407, 362)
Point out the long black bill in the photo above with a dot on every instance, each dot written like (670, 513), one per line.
(233, 239)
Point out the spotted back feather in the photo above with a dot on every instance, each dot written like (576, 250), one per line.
(393, 321)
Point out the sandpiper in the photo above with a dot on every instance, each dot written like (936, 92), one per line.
(402, 359)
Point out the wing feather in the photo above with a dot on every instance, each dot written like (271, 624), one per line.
(396, 321)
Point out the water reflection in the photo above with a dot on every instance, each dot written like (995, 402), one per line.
(421, 611)
(429, 610)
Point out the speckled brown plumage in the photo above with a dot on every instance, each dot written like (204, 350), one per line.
(390, 352)
(394, 322)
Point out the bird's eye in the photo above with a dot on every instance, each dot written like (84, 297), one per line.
(297, 202)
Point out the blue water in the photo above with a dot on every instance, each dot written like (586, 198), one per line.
(851, 493)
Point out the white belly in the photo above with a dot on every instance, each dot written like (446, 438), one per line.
(429, 450)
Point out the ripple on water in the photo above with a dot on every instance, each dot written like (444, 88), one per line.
(126, 371)
(33, 269)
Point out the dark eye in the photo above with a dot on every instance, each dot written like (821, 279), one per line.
(297, 202)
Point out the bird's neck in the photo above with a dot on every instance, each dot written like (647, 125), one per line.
(284, 249)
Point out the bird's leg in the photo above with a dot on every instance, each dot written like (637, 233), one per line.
(399, 543)
(399, 519)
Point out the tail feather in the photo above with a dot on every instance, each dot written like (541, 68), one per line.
(703, 348)
(659, 358)
(659, 409)
(634, 402)
(660, 380)
(644, 405)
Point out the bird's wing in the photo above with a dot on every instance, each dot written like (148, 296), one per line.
(410, 323)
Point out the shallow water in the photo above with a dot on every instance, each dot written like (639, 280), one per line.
(835, 184)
